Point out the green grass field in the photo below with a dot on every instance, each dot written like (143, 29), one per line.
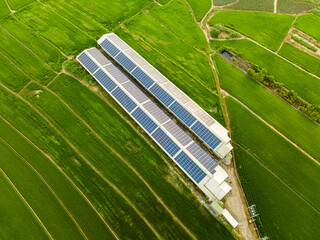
(223, 2)
(305, 85)
(275, 202)
(254, 5)
(271, 108)
(301, 58)
(289, 163)
(293, 6)
(200, 8)
(16, 4)
(177, 17)
(4, 10)
(266, 28)
(309, 24)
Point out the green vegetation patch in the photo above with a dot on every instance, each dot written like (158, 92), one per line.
(17, 221)
(270, 107)
(177, 17)
(200, 8)
(266, 28)
(16, 4)
(222, 2)
(309, 24)
(280, 209)
(284, 159)
(4, 10)
(254, 5)
(307, 86)
(301, 58)
(293, 6)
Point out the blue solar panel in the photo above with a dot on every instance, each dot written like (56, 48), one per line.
(125, 101)
(204, 158)
(167, 143)
(182, 113)
(207, 136)
(161, 94)
(190, 167)
(87, 62)
(109, 48)
(105, 80)
(144, 120)
(125, 62)
(142, 77)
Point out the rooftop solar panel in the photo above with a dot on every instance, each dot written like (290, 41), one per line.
(118, 41)
(144, 120)
(206, 135)
(98, 56)
(125, 62)
(135, 92)
(136, 57)
(116, 73)
(156, 112)
(105, 80)
(167, 143)
(155, 73)
(190, 167)
(109, 48)
(87, 62)
(161, 94)
(124, 100)
(143, 78)
(182, 114)
(177, 132)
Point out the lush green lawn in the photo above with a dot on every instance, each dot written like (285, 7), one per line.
(200, 8)
(293, 6)
(309, 24)
(38, 195)
(80, 209)
(177, 17)
(289, 163)
(301, 58)
(17, 221)
(254, 5)
(271, 108)
(305, 85)
(283, 214)
(148, 162)
(4, 10)
(266, 28)
(16, 4)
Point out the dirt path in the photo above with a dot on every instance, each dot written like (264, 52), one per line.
(88, 162)
(48, 186)
(275, 5)
(11, 10)
(59, 169)
(28, 205)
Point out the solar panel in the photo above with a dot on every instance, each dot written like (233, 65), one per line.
(135, 92)
(136, 57)
(87, 62)
(190, 167)
(144, 120)
(105, 80)
(125, 101)
(155, 73)
(156, 112)
(182, 114)
(143, 78)
(109, 48)
(98, 56)
(167, 143)
(125, 62)
(161, 94)
(207, 136)
(204, 158)
(118, 41)
(177, 132)
(116, 73)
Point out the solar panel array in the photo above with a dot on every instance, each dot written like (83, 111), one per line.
(147, 114)
(167, 95)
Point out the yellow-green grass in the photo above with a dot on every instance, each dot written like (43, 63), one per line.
(309, 24)
(293, 6)
(293, 78)
(254, 5)
(17, 221)
(177, 17)
(163, 1)
(35, 192)
(73, 199)
(270, 107)
(62, 33)
(266, 28)
(138, 152)
(121, 217)
(41, 47)
(301, 58)
(4, 10)
(200, 8)
(282, 213)
(16, 4)
(300, 172)
(25, 59)
(11, 76)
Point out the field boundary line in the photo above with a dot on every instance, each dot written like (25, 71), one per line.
(67, 177)
(48, 186)
(127, 163)
(290, 29)
(276, 175)
(12, 11)
(87, 161)
(26, 203)
(274, 129)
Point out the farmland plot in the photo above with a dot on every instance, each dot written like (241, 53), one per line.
(309, 24)
(200, 8)
(222, 2)
(4, 10)
(16, 4)
(293, 6)
(254, 5)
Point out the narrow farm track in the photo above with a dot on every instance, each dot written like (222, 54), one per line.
(28, 205)
(88, 162)
(67, 177)
(12, 11)
(288, 33)
(127, 163)
(274, 174)
(275, 5)
(49, 187)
